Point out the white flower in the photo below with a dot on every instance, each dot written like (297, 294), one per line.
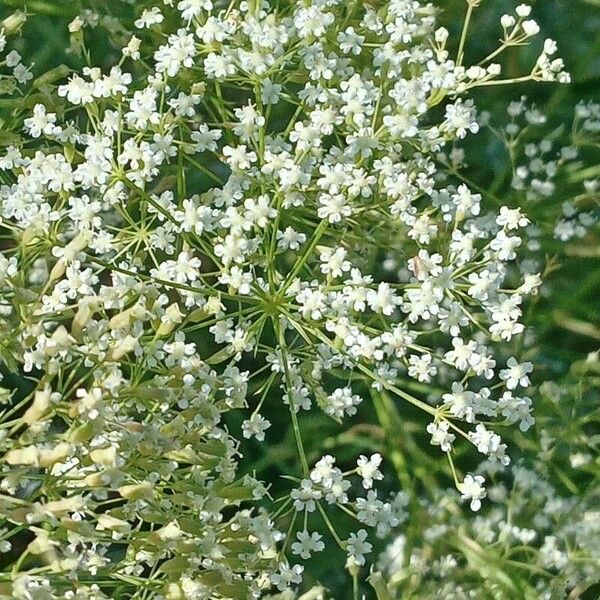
(290, 238)
(440, 436)
(460, 118)
(466, 202)
(523, 10)
(350, 41)
(342, 401)
(333, 261)
(41, 122)
(22, 73)
(333, 208)
(472, 488)
(516, 374)
(258, 212)
(143, 109)
(530, 27)
(8, 268)
(255, 426)
(511, 218)
(311, 21)
(287, 576)
(12, 59)
(489, 443)
(219, 66)
(270, 91)
(516, 409)
(460, 402)
(307, 544)
(368, 469)
(238, 280)
(551, 557)
(192, 8)
(383, 299)
(149, 17)
(179, 51)
(464, 355)
(304, 497)
(205, 138)
(421, 367)
(505, 245)
(77, 91)
(324, 470)
(239, 158)
(357, 546)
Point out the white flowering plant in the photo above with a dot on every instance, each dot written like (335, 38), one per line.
(254, 219)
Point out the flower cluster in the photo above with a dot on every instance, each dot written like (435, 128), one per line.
(326, 482)
(532, 531)
(540, 162)
(255, 200)
(15, 73)
(534, 538)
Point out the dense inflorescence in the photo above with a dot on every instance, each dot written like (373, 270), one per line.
(531, 540)
(257, 193)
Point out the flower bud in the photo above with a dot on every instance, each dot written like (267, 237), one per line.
(123, 319)
(60, 452)
(86, 310)
(111, 523)
(13, 23)
(213, 305)
(441, 35)
(41, 544)
(66, 505)
(171, 531)
(172, 317)
(125, 346)
(530, 27)
(39, 406)
(136, 491)
(107, 457)
(22, 456)
(75, 25)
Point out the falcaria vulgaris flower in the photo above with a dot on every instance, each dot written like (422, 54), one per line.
(251, 199)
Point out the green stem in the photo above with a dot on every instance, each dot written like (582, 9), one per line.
(330, 526)
(390, 422)
(463, 35)
(288, 383)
